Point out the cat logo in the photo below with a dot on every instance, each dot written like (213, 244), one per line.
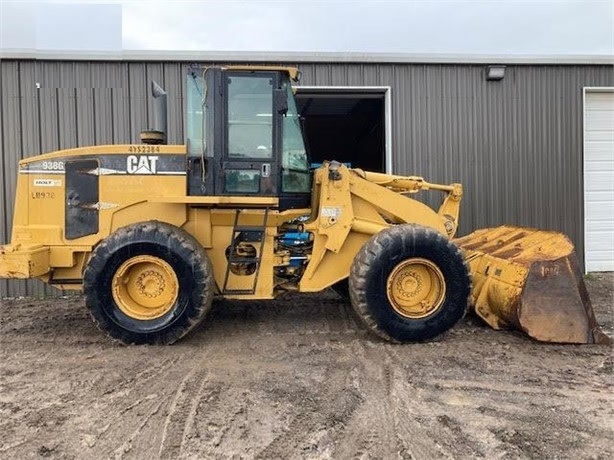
(143, 164)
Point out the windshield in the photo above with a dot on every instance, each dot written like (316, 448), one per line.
(295, 166)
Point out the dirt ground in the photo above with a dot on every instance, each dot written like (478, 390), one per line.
(298, 378)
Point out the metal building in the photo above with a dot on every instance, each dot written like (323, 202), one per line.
(531, 139)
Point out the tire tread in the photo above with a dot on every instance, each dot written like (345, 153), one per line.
(173, 237)
(369, 256)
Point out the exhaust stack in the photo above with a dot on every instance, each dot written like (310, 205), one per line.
(157, 135)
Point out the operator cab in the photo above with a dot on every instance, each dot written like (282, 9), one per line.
(244, 135)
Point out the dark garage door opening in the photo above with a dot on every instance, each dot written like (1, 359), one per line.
(347, 126)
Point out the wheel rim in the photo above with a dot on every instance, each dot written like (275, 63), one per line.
(416, 288)
(145, 287)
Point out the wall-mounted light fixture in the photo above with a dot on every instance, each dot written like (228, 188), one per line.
(495, 72)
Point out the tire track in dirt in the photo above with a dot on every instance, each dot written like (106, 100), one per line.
(372, 432)
(180, 417)
(124, 387)
(121, 408)
(428, 427)
(164, 430)
(321, 419)
(157, 410)
(224, 429)
(127, 445)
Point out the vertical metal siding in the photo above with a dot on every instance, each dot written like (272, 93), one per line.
(137, 95)
(516, 145)
(3, 198)
(174, 76)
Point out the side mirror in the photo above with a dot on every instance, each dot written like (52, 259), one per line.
(280, 101)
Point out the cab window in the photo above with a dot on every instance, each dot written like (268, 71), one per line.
(295, 174)
(250, 117)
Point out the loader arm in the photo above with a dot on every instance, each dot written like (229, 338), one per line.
(351, 205)
(450, 207)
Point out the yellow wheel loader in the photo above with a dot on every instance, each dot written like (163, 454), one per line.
(152, 232)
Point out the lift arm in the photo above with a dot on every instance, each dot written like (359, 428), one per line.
(350, 205)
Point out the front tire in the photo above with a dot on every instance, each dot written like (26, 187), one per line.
(148, 283)
(409, 283)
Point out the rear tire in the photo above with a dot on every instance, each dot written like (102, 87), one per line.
(409, 283)
(148, 283)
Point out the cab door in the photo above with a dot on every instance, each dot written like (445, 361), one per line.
(250, 159)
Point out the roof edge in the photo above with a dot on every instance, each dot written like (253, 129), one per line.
(303, 57)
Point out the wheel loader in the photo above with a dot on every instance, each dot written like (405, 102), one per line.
(151, 232)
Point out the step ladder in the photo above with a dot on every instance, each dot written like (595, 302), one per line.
(259, 231)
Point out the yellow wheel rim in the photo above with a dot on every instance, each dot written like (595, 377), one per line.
(416, 288)
(145, 287)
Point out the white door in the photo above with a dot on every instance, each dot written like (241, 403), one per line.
(599, 179)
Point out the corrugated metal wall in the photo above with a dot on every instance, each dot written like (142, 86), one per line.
(516, 145)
